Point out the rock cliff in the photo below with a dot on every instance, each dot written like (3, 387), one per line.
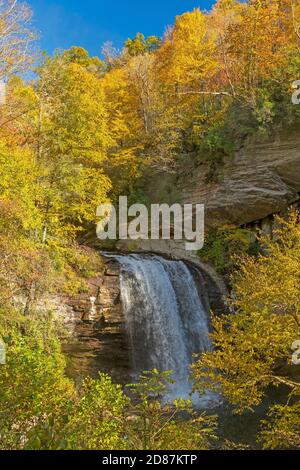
(261, 179)
(95, 325)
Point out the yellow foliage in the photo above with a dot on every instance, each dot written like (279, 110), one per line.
(253, 346)
(187, 52)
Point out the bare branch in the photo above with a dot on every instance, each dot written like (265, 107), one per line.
(16, 37)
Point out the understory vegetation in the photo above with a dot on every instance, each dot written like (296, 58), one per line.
(85, 130)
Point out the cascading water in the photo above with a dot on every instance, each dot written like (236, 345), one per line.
(165, 318)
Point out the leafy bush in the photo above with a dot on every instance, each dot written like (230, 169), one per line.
(224, 244)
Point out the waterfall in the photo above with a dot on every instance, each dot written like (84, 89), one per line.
(165, 318)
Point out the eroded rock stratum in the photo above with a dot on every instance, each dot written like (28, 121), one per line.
(261, 179)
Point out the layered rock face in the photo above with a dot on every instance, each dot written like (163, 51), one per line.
(262, 178)
(100, 303)
(94, 319)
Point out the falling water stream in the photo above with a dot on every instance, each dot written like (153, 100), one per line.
(165, 318)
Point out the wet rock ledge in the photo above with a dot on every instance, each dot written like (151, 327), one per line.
(96, 328)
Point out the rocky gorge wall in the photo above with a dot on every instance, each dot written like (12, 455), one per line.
(261, 179)
(94, 324)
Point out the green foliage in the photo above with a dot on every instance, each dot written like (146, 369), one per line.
(45, 411)
(158, 425)
(141, 45)
(33, 384)
(223, 245)
(96, 419)
(138, 196)
(274, 108)
(281, 430)
(40, 406)
(48, 413)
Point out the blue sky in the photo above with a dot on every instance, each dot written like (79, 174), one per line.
(90, 23)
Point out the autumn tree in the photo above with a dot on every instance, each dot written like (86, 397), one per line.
(16, 38)
(159, 424)
(187, 53)
(33, 383)
(214, 79)
(73, 136)
(19, 114)
(141, 45)
(53, 141)
(254, 40)
(253, 346)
